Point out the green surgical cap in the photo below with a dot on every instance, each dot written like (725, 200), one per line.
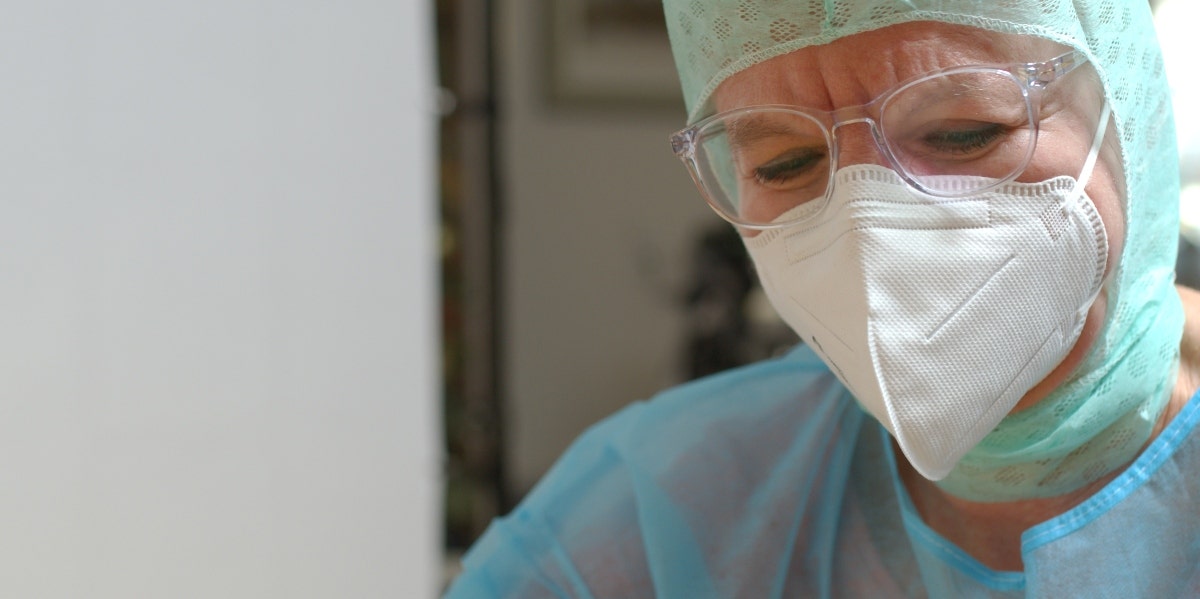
(1137, 351)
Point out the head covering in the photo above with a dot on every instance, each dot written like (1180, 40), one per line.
(1133, 362)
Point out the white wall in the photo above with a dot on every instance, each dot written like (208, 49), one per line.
(601, 218)
(216, 299)
(1174, 20)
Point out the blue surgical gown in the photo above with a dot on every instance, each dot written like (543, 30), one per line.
(769, 481)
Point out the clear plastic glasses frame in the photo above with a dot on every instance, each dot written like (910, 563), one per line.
(1030, 79)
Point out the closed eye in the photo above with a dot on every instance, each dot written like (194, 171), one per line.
(962, 139)
(790, 166)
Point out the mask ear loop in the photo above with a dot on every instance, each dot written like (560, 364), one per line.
(1090, 163)
(1077, 194)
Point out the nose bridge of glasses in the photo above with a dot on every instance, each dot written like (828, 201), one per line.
(851, 146)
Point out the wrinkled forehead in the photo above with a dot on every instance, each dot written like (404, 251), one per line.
(855, 69)
(715, 39)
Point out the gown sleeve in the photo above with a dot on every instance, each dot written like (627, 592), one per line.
(575, 535)
(701, 492)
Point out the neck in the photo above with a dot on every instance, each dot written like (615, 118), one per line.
(991, 532)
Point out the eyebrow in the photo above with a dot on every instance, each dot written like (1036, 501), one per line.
(743, 133)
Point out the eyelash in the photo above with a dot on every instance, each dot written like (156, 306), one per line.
(964, 142)
(785, 168)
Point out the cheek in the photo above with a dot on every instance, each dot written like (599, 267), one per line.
(1106, 194)
(1063, 152)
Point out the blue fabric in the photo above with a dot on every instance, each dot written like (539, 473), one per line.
(768, 481)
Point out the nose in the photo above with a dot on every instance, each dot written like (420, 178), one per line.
(856, 143)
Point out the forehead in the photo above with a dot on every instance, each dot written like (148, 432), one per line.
(855, 69)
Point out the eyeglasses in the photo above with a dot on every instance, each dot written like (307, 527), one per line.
(758, 165)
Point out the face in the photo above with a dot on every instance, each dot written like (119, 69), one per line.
(840, 75)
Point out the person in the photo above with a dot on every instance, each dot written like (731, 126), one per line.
(967, 210)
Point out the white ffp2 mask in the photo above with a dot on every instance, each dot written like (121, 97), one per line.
(938, 314)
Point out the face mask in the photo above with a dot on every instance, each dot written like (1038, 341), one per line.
(938, 314)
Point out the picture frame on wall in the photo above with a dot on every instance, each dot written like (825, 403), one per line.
(610, 53)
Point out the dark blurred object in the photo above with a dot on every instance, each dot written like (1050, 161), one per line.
(728, 323)
(471, 254)
(624, 14)
(1187, 266)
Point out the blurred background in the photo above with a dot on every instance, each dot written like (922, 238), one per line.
(581, 270)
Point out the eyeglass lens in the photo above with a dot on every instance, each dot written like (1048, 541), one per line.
(759, 164)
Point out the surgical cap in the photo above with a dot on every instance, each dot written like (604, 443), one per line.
(713, 39)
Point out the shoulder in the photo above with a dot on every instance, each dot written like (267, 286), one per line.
(747, 413)
(633, 493)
